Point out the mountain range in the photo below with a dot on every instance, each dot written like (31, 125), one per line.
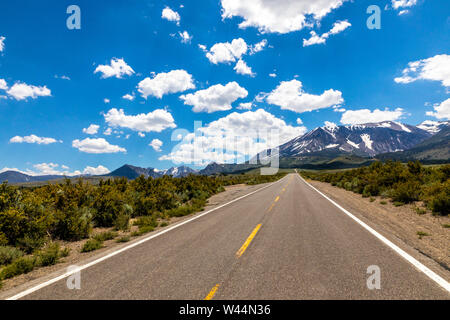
(330, 147)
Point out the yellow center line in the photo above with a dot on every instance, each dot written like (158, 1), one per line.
(248, 241)
(212, 292)
(277, 198)
(271, 207)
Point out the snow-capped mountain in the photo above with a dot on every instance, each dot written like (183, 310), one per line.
(433, 127)
(363, 139)
(176, 172)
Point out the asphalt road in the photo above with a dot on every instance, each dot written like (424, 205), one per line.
(283, 242)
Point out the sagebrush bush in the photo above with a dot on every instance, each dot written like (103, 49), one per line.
(49, 256)
(9, 254)
(402, 183)
(91, 245)
(19, 266)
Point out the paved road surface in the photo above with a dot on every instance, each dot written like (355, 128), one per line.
(283, 242)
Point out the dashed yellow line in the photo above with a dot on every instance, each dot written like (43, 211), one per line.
(212, 292)
(248, 241)
(277, 198)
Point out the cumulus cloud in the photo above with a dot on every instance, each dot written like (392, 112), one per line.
(170, 15)
(2, 43)
(106, 100)
(128, 97)
(118, 68)
(215, 98)
(23, 91)
(227, 52)
(289, 95)
(3, 84)
(365, 116)
(338, 27)
(156, 121)
(233, 138)
(245, 106)
(242, 68)
(92, 129)
(436, 68)
(33, 139)
(399, 4)
(164, 83)
(156, 144)
(441, 111)
(258, 47)
(95, 171)
(281, 16)
(96, 146)
(185, 37)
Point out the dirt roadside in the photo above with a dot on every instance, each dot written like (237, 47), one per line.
(24, 281)
(401, 224)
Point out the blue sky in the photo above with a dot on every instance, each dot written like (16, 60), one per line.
(50, 90)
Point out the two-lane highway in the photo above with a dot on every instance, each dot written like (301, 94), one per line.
(284, 242)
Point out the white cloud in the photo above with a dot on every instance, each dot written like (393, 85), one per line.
(399, 4)
(156, 144)
(107, 132)
(281, 16)
(185, 37)
(365, 116)
(96, 146)
(100, 170)
(22, 91)
(233, 138)
(92, 129)
(164, 83)
(299, 121)
(106, 100)
(33, 139)
(2, 43)
(402, 12)
(289, 95)
(245, 106)
(215, 98)
(3, 84)
(258, 47)
(272, 75)
(242, 68)
(436, 68)
(338, 27)
(141, 134)
(442, 110)
(227, 52)
(118, 68)
(63, 77)
(128, 97)
(170, 15)
(156, 121)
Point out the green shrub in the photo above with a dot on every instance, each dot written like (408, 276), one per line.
(123, 239)
(146, 221)
(163, 224)
(406, 192)
(65, 252)
(91, 245)
(19, 266)
(398, 203)
(422, 234)
(9, 254)
(440, 204)
(49, 256)
(383, 202)
(105, 236)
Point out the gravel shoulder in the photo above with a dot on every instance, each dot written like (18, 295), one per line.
(24, 281)
(401, 225)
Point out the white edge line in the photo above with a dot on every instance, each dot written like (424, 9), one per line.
(431, 274)
(112, 254)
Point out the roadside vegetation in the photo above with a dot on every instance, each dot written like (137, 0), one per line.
(33, 220)
(400, 183)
